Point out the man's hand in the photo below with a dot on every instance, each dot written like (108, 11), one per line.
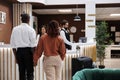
(14, 51)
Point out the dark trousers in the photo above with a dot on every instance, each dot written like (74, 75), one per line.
(24, 58)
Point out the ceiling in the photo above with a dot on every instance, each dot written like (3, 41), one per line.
(104, 13)
(101, 13)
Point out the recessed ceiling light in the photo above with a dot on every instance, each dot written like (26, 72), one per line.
(114, 14)
(65, 10)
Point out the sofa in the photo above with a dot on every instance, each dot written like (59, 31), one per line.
(97, 74)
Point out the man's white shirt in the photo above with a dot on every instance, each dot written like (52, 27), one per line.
(23, 36)
(62, 34)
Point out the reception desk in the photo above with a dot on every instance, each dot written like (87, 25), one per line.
(86, 49)
(9, 70)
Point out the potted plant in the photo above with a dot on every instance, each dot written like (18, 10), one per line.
(102, 38)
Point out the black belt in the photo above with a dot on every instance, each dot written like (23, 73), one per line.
(24, 48)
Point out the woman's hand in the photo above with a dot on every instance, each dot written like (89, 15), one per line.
(35, 63)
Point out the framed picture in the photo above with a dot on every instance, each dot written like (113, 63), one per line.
(2, 17)
(113, 28)
(117, 33)
(117, 39)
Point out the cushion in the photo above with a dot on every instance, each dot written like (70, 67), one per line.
(79, 76)
(111, 74)
(97, 74)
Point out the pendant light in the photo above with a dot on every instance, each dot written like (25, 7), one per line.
(77, 17)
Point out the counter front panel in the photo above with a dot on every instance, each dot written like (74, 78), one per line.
(9, 69)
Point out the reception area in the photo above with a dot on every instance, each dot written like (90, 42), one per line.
(10, 12)
(10, 69)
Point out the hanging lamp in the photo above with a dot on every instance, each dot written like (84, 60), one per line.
(77, 17)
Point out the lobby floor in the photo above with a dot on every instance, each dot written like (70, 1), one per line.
(111, 63)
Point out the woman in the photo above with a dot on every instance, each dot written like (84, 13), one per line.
(54, 51)
(42, 32)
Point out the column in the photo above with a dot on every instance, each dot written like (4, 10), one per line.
(18, 9)
(90, 20)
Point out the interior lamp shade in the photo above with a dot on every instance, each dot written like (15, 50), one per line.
(77, 18)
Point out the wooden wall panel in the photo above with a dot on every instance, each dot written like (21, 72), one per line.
(5, 29)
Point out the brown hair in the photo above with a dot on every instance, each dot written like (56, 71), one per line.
(64, 22)
(53, 29)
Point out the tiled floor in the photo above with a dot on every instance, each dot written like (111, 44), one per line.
(111, 63)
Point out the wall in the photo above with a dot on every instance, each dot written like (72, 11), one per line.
(116, 25)
(5, 29)
(44, 19)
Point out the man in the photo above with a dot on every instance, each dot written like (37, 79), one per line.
(65, 34)
(23, 40)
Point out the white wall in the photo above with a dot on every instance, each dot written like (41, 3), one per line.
(64, 2)
(90, 26)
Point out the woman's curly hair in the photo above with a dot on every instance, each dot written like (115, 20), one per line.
(53, 28)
